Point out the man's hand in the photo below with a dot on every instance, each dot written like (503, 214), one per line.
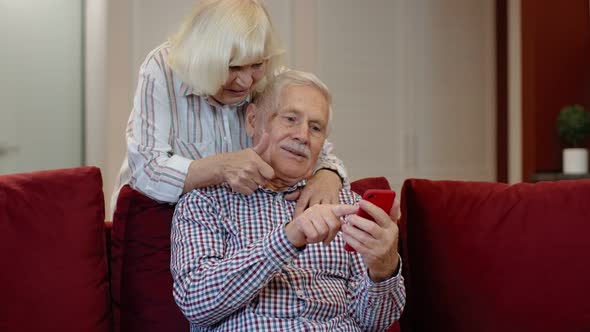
(319, 223)
(245, 170)
(322, 188)
(376, 241)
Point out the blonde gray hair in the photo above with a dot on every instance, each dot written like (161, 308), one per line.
(219, 34)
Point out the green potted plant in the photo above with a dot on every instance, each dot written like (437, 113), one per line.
(573, 127)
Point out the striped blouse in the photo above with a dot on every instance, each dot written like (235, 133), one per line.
(170, 126)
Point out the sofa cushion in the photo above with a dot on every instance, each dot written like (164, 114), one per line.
(361, 185)
(493, 257)
(146, 297)
(52, 249)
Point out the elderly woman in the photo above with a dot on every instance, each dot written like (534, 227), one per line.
(187, 127)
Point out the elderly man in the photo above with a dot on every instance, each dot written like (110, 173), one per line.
(243, 263)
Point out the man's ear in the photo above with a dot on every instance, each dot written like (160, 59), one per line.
(250, 119)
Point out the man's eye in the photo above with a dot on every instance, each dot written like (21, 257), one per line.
(316, 128)
(235, 68)
(290, 118)
(257, 65)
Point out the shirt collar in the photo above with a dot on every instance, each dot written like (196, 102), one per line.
(286, 191)
(211, 101)
(187, 90)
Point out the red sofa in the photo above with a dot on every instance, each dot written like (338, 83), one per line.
(486, 257)
(65, 269)
(477, 256)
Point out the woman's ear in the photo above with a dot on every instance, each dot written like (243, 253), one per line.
(251, 119)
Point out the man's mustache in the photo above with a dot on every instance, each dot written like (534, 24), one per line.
(298, 147)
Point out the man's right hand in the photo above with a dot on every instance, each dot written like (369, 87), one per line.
(319, 223)
(245, 170)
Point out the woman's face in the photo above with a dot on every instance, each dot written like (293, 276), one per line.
(240, 82)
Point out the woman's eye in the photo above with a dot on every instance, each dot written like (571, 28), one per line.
(235, 68)
(290, 119)
(257, 65)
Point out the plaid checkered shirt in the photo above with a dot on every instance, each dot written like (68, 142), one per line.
(235, 270)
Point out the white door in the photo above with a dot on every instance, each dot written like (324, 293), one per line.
(40, 84)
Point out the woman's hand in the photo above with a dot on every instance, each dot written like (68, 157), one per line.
(322, 188)
(244, 170)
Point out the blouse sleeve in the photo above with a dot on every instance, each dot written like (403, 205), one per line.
(328, 160)
(155, 170)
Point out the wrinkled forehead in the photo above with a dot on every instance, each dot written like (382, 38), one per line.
(304, 99)
(289, 97)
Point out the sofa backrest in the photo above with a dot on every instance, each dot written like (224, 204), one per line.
(484, 256)
(52, 252)
(141, 278)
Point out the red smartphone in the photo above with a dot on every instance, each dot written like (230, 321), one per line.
(382, 198)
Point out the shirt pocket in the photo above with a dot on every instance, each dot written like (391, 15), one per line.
(193, 150)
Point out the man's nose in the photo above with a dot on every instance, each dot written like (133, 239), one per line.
(302, 133)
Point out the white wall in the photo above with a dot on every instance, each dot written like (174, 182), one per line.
(413, 81)
(514, 93)
(95, 125)
(108, 86)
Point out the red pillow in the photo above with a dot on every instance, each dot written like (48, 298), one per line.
(361, 185)
(146, 297)
(54, 275)
(492, 257)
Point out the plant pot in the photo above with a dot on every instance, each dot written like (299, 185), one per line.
(575, 161)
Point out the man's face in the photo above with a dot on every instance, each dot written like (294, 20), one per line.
(297, 131)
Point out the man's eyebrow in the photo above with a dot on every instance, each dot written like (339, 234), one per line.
(298, 111)
(291, 110)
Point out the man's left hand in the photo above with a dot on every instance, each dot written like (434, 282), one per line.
(376, 241)
(322, 188)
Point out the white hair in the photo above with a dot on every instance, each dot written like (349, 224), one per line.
(268, 99)
(219, 34)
